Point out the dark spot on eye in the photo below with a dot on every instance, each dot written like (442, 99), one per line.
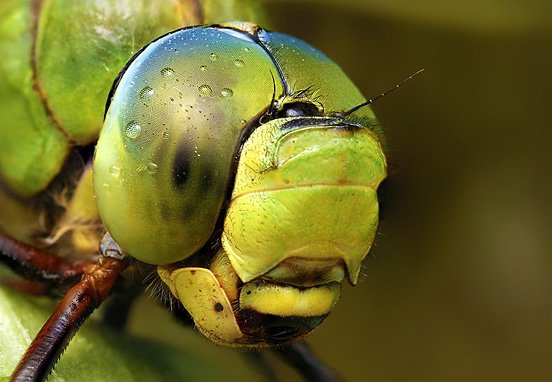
(193, 272)
(248, 292)
(165, 211)
(206, 181)
(181, 166)
(218, 307)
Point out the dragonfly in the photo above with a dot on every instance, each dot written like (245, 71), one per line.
(233, 168)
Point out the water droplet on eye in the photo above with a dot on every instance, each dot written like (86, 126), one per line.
(239, 63)
(146, 93)
(203, 68)
(115, 170)
(151, 168)
(243, 121)
(226, 93)
(246, 49)
(166, 135)
(213, 56)
(167, 72)
(205, 90)
(133, 130)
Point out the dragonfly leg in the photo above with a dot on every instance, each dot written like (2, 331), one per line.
(39, 265)
(299, 356)
(79, 302)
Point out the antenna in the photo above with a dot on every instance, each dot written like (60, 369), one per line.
(372, 100)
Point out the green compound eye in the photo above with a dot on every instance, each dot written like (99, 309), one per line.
(164, 156)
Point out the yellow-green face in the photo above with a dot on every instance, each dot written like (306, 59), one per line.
(305, 190)
(243, 184)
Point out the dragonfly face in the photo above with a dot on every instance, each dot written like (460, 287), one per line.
(224, 162)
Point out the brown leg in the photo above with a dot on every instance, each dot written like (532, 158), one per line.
(37, 264)
(301, 358)
(79, 302)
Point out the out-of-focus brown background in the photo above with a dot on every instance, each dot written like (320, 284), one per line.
(459, 284)
(459, 287)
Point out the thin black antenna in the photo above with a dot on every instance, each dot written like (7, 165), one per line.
(372, 100)
(273, 91)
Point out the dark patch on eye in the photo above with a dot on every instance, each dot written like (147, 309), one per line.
(219, 307)
(181, 166)
(165, 211)
(193, 272)
(206, 181)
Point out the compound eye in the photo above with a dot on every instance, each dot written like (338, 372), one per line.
(164, 156)
(298, 109)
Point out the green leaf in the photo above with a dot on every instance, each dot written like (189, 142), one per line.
(99, 354)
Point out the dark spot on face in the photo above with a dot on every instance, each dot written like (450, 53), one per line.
(181, 166)
(218, 307)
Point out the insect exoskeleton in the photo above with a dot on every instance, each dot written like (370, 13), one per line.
(224, 161)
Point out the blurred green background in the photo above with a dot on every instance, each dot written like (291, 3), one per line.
(458, 285)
